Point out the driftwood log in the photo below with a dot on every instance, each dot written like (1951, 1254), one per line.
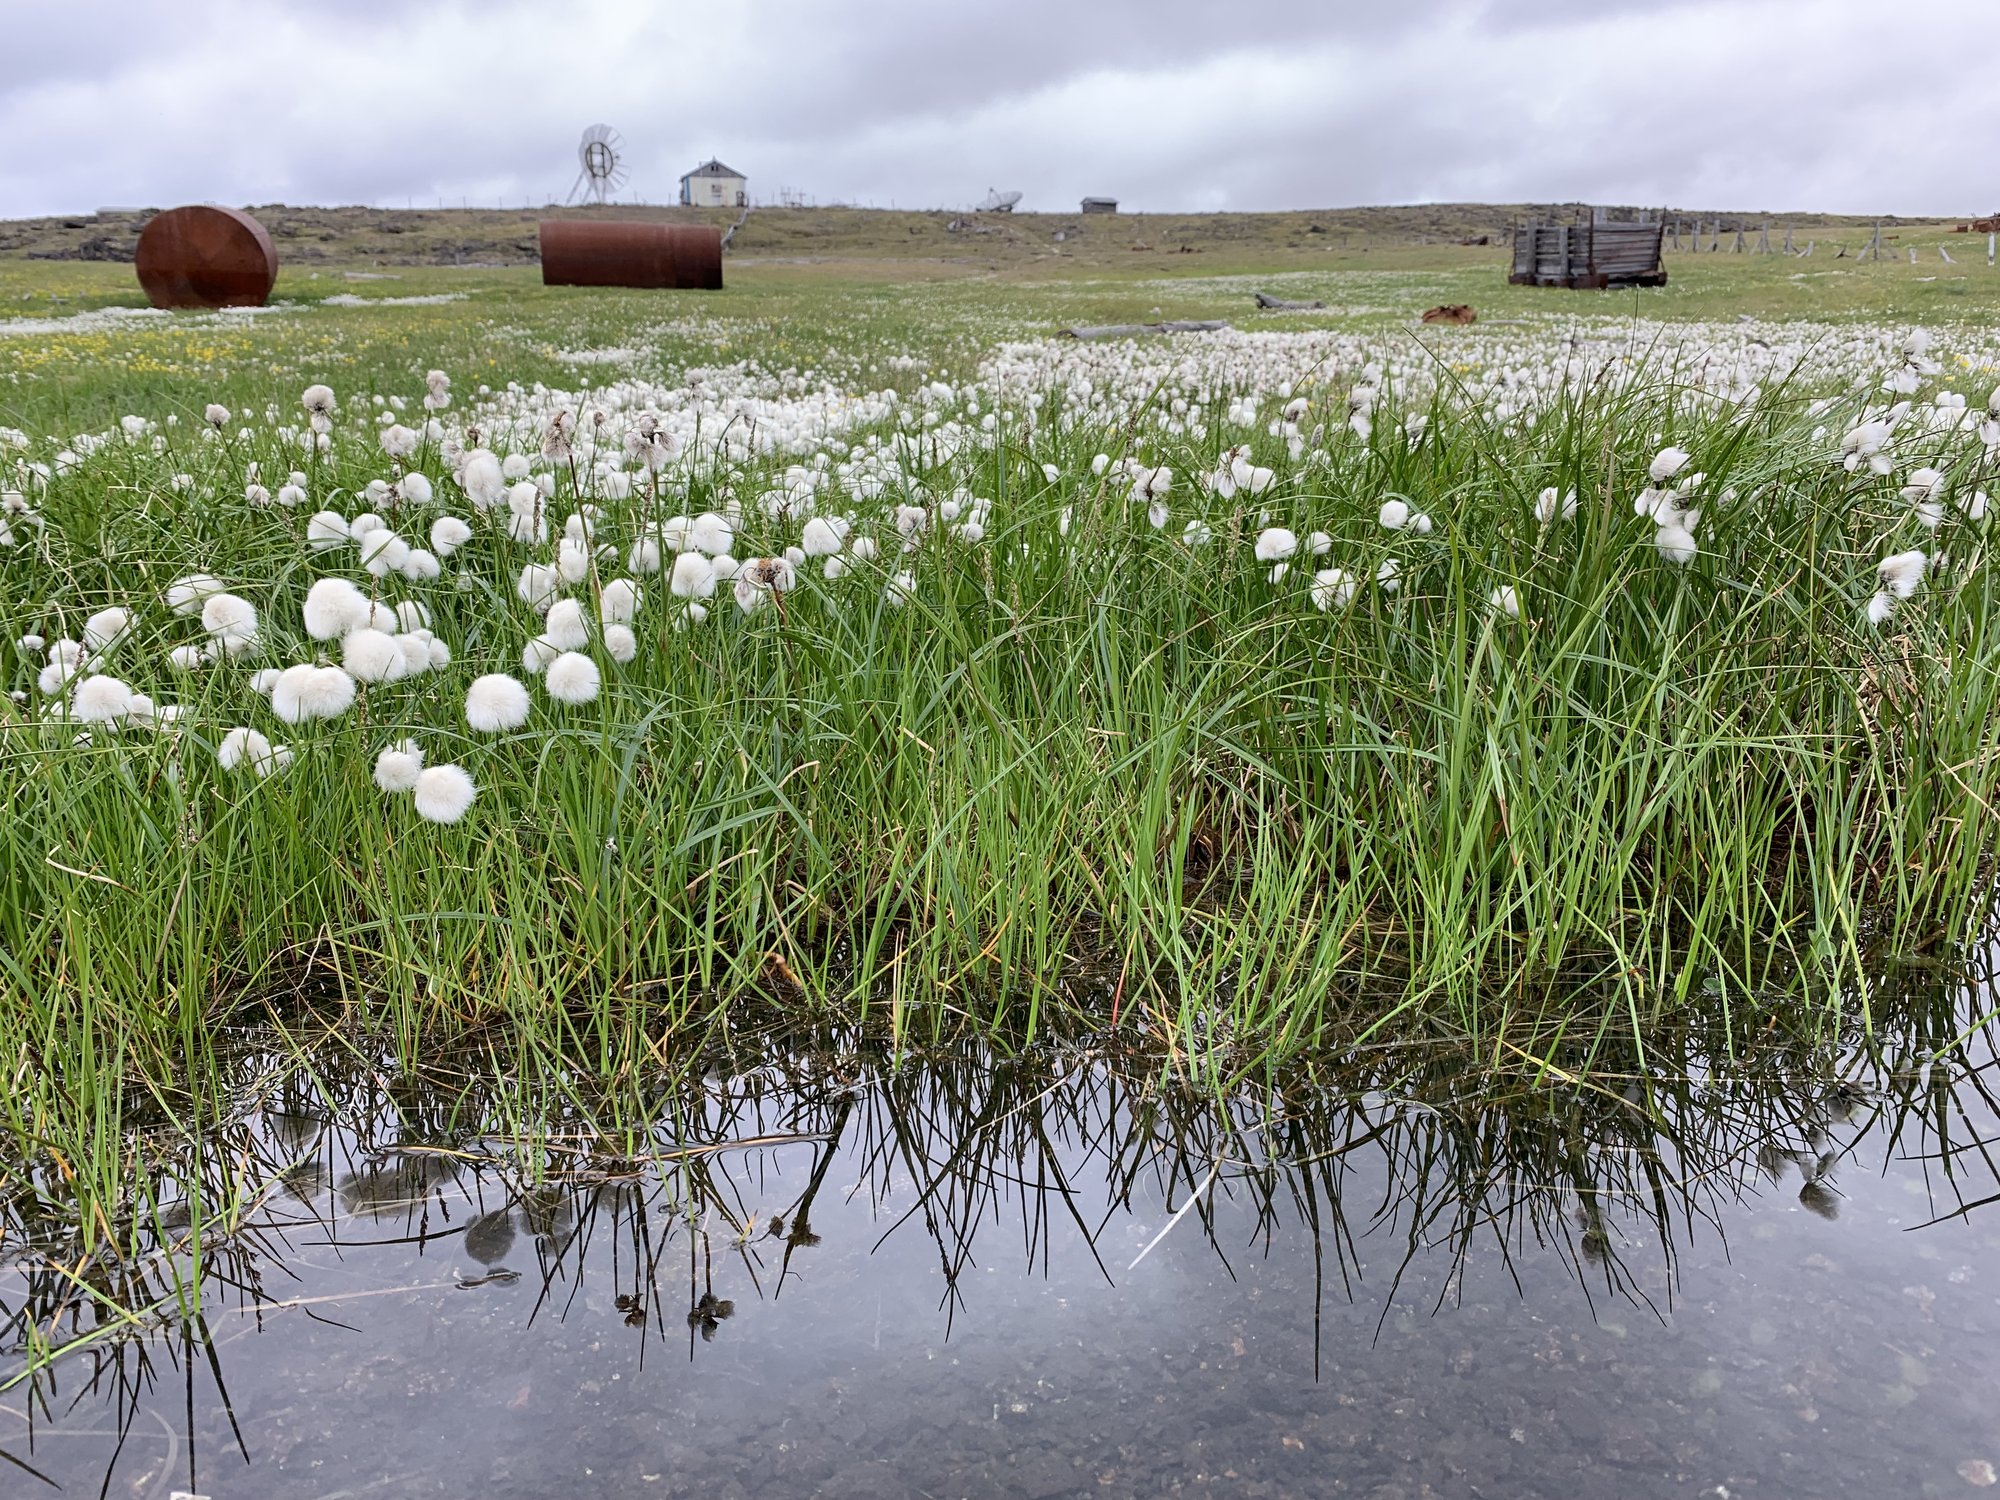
(1127, 330)
(1280, 304)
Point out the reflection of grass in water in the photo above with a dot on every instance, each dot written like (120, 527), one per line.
(701, 1186)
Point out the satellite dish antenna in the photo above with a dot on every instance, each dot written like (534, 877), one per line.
(603, 168)
(997, 202)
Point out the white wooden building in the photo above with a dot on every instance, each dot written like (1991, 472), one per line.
(712, 185)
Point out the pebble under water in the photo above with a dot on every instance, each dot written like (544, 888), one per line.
(838, 1271)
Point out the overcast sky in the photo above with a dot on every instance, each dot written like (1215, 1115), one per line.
(1834, 105)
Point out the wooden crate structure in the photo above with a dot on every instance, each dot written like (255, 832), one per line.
(1588, 256)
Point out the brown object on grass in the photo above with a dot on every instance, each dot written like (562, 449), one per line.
(675, 257)
(204, 255)
(1451, 312)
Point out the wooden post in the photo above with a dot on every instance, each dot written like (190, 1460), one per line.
(1913, 255)
(1875, 245)
(1788, 239)
(1947, 256)
(1764, 240)
(1740, 245)
(1989, 249)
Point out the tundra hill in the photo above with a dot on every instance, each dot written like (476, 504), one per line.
(355, 236)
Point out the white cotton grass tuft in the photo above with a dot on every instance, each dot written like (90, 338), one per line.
(1902, 573)
(333, 607)
(496, 703)
(537, 654)
(1676, 544)
(1667, 463)
(1394, 515)
(185, 596)
(398, 767)
(326, 530)
(101, 700)
(572, 678)
(1276, 543)
(231, 621)
(307, 692)
(1505, 600)
(618, 603)
(693, 577)
(537, 585)
(245, 748)
(383, 552)
(622, 645)
(443, 794)
(823, 536)
(564, 626)
(1552, 504)
(711, 533)
(106, 628)
(448, 534)
(1333, 588)
(1881, 604)
(373, 656)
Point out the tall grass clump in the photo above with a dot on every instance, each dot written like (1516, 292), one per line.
(1167, 694)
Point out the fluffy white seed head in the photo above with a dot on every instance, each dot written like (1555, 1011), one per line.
(101, 700)
(538, 585)
(448, 534)
(333, 607)
(711, 533)
(496, 703)
(1276, 543)
(231, 620)
(246, 748)
(1333, 588)
(372, 656)
(398, 767)
(693, 577)
(1666, 464)
(185, 595)
(565, 627)
(443, 794)
(620, 643)
(1902, 574)
(383, 552)
(572, 678)
(1676, 544)
(106, 628)
(307, 692)
(619, 602)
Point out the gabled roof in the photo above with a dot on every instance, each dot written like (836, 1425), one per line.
(714, 168)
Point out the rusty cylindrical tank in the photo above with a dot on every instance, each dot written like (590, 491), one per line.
(204, 255)
(585, 252)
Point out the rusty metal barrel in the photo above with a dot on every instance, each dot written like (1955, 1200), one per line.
(204, 255)
(585, 252)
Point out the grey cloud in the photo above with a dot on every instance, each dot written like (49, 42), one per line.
(1168, 104)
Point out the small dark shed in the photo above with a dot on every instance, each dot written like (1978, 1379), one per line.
(1100, 205)
(1590, 256)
